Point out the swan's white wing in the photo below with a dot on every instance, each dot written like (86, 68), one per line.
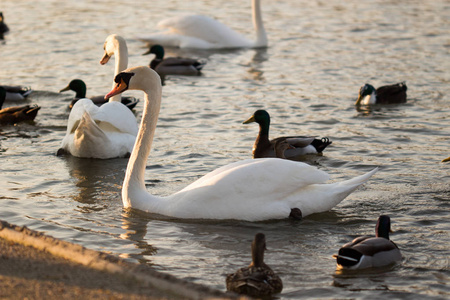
(117, 115)
(196, 31)
(111, 116)
(203, 27)
(269, 171)
(100, 132)
(252, 190)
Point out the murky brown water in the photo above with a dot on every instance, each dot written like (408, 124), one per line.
(320, 53)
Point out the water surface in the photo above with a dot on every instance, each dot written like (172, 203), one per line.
(320, 53)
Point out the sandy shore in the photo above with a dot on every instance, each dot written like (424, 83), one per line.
(37, 266)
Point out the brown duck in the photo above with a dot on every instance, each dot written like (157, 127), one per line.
(16, 114)
(257, 279)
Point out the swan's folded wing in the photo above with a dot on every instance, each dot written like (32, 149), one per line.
(201, 27)
(111, 116)
(263, 175)
(114, 116)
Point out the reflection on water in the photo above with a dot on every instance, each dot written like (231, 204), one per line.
(135, 227)
(95, 178)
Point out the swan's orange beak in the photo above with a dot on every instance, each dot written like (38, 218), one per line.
(117, 89)
(104, 59)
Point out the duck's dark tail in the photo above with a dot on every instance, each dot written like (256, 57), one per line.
(321, 144)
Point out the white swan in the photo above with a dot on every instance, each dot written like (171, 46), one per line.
(202, 32)
(252, 189)
(108, 131)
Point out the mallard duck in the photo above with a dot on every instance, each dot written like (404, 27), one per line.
(16, 92)
(264, 147)
(202, 32)
(366, 252)
(16, 114)
(250, 190)
(173, 65)
(3, 27)
(79, 87)
(257, 279)
(104, 132)
(388, 94)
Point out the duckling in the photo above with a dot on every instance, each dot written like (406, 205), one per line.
(79, 87)
(388, 94)
(257, 279)
(3, 27)
(16, 114)
(173, 65)
(16, 92)
(366, 252)
(264, 147)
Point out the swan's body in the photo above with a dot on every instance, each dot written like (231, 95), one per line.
(367, 252)
(202, 32)
(252, 190)
(16, 92)
(108, 131)
(79, 87)
(258, 279)
(388, 94)
(173, 65)
(16, 114)
(300, 145)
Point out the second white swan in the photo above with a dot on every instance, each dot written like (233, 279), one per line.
(203, 32)
(108, 131)
(251, 190)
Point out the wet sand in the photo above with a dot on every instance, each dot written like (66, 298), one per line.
(37, 266)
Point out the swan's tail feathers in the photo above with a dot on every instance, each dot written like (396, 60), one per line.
(344, 188)
(357, 181)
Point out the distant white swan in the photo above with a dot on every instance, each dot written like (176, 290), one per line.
(108, 131)
(252, 189)
(202, 32)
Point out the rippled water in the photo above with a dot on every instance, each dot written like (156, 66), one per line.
(320, 53)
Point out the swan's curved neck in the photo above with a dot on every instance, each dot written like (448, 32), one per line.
(121, 63)
(261, 36)
(133, 188)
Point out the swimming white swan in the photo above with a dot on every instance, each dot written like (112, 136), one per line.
(252, 189)
(108, 131)
(202, 32)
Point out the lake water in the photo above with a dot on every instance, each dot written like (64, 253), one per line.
(320, 53)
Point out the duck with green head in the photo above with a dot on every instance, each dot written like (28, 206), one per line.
(173, 65)
(79, 87)
(388, 94)
(257, 279)
(367, 252)
(300, 145)
(16, 114)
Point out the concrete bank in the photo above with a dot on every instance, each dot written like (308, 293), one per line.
(36, 266)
